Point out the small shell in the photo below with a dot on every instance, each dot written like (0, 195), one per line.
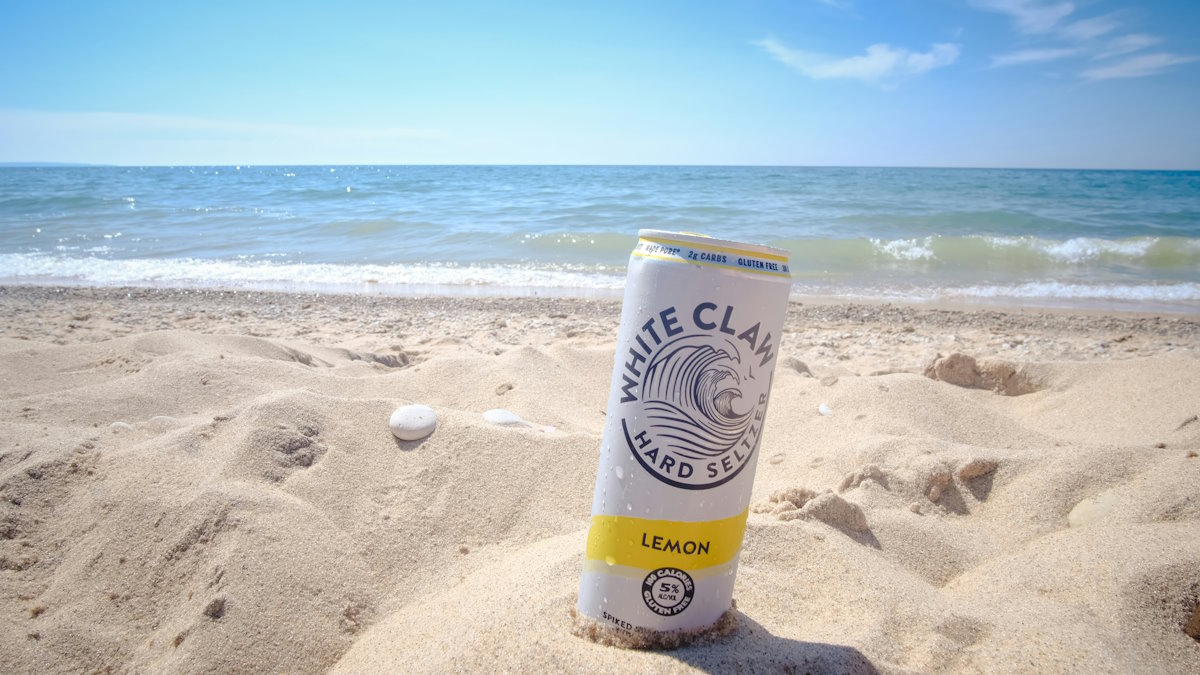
(824, 409)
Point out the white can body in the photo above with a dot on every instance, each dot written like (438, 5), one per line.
(700, 329)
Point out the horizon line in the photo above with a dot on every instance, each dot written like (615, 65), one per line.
(38, 164)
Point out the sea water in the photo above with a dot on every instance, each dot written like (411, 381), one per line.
(1119, 239)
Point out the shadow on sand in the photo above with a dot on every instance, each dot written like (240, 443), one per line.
(751, 648)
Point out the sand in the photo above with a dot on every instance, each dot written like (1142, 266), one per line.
(206, 481)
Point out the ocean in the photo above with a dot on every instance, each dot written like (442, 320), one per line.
(1044, 238)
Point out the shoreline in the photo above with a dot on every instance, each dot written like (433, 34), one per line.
(943, 313)
(372, 287)
(1008, 305)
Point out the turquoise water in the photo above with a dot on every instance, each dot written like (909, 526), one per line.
(1102, 238)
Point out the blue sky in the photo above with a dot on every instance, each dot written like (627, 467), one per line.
(1013, 83)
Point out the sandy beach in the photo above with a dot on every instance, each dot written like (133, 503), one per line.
(203, 480)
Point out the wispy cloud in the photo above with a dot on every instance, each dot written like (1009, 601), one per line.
(1028, 56)
(1031, 16)
(1127, 44)
(1090, 29)
(881, 64)
(1142, 65)
(1047, 20)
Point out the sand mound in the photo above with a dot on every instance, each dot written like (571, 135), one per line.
(1001, 377)
(178, 501)
(826, 507)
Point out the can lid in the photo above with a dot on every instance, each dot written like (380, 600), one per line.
(698, 249)
(705, 240)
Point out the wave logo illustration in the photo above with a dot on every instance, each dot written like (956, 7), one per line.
(700, 412)
(691, 391)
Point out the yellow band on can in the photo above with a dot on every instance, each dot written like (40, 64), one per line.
(653, 544)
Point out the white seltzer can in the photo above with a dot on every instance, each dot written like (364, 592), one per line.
(700, 329)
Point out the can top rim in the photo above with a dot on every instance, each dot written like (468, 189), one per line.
(704, 240)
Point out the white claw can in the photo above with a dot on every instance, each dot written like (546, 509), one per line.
(700, 328)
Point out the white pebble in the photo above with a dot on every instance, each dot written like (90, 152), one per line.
(824, 409)
(413, 422)
(502, 417)
(121, 426)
